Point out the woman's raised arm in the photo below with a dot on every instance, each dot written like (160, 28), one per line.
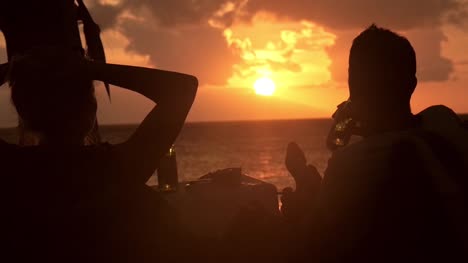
(173, 93)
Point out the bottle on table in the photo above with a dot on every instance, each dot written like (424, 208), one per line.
(168, 178)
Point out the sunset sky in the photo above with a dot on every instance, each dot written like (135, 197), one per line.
(298, 48)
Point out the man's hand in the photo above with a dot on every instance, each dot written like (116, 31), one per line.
(295, 160)
(306, 176)
(296, 203)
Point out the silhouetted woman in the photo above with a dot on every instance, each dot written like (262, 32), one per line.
(64, 201)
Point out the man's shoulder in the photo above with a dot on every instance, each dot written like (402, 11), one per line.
(377, 156)
(375, 148)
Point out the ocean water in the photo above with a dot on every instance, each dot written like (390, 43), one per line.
(258, 147)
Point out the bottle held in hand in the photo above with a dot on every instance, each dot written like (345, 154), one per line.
(343, 126)
(168, 178)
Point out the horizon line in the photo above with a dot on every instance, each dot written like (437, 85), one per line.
(205, 121)
(225, 121)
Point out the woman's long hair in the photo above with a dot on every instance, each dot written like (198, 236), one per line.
(22, 37)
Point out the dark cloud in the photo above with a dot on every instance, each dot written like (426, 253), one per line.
(399, 14)
(175, 37)
(199, 50)
(459, 16)
(339, 14)
(106, 15)
(170, 12)
(165, 12)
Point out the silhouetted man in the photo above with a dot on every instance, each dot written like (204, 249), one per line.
(398, 194)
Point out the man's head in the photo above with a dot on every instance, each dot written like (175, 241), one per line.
(382, 68)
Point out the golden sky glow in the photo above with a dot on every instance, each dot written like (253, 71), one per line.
(109, 2)
(291, 54)
(301, 46)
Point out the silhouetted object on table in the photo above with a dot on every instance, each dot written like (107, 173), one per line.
(399, 194)
(234, 217)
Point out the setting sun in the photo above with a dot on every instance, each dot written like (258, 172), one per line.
(264, 86)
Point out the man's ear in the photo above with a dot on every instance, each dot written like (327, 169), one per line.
(413, 84)
(4, 70)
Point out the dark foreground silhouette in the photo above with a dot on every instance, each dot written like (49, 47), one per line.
(397, 195)
(400, 193)
(63, 201)
(62, 195)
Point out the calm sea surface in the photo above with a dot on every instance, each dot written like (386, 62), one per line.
(258, 148)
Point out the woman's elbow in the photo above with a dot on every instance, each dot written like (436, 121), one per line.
(193, 87)
(194, 83)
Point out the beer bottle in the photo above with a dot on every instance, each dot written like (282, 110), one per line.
(168, 179)
(342, 128)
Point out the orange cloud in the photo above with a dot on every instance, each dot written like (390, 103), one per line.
(110, 2)
(291, 53)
